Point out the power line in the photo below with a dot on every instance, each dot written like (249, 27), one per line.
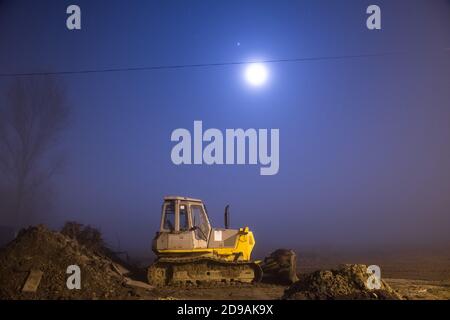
(199, 65)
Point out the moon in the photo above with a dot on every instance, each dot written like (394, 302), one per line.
(256, 74)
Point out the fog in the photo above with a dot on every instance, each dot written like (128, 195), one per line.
(364, 158)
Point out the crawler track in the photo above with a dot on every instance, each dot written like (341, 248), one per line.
(202, 272)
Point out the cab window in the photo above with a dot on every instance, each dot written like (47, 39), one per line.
(169, 217)
(184, 222)
(200, 222)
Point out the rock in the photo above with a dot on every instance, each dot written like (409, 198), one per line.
(138, 284)
(33, 280)
(120, 269)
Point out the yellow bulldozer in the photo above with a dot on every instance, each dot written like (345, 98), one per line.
(191, 252)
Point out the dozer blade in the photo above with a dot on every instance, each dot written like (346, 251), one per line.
(280, 266)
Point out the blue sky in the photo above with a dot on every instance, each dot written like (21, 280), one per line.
(364, 142)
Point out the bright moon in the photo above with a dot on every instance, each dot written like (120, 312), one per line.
(256, 74)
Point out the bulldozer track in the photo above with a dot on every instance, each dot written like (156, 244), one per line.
(203, 272)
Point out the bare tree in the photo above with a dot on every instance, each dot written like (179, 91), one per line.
(31, 120)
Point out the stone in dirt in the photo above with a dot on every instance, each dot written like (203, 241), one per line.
(33, 280)
(138, 284)
(120, 269)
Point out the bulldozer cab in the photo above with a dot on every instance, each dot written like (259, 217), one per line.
(185, 230)
(186, 222)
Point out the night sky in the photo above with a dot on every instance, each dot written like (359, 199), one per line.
(364, 142)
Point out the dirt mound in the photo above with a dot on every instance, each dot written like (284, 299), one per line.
(347, 282)
(42, 250)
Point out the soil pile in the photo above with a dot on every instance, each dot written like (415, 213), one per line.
(42, 250)
(347, 282)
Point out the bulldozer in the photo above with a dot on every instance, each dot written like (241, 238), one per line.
(190, 251)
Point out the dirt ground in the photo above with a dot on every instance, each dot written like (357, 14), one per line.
(413, 275)
(245, 292)
(407, 288)
(421, 289)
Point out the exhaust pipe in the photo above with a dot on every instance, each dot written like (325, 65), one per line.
(227, 216)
